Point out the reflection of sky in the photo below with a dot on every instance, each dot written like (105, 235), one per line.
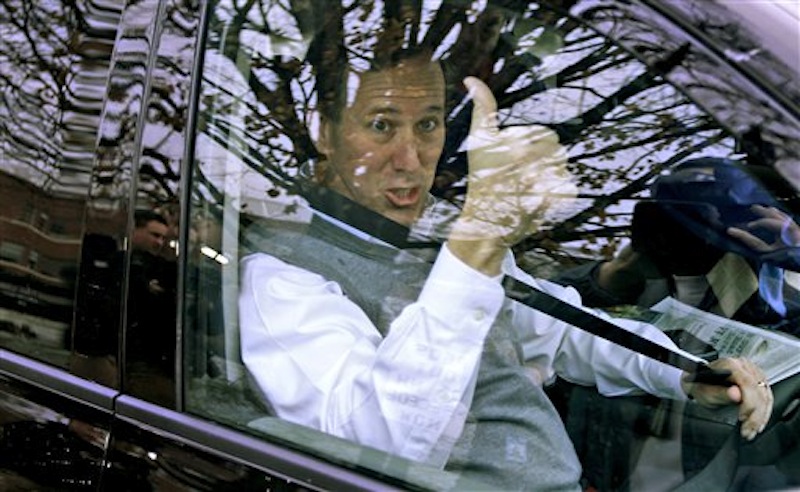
(594, 154)
(555, 105)
(246, 188)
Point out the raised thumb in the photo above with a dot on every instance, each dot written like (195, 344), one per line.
(484, 112)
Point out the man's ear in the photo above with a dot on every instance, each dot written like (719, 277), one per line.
(324, 145)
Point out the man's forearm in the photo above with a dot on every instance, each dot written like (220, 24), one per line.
(405, 393)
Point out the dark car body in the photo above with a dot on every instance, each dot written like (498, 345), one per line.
(112, 106)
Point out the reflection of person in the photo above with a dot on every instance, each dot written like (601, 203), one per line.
(149, 232)
(150, 306)
(151, 309)
(433, 363)
(149, 270)
(707, 237)
(713, 237)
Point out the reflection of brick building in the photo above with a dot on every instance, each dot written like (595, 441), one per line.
(40, 238)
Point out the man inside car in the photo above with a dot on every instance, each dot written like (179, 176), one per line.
(346, 334)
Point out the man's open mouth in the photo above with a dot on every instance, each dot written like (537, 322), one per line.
(403, 197)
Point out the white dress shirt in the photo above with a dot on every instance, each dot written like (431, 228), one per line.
(322, 363)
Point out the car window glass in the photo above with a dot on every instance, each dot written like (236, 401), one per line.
(54, 66)
(111, 234)
(151, 309)
(629, 95)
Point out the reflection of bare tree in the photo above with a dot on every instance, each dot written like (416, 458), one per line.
(507, 44)
(167, 109)
(51, 104)
(54, 62)
(621, 119)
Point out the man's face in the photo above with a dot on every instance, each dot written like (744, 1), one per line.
(384, 149)
(149, 237)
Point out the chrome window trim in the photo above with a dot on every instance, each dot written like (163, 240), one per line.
(53, 379)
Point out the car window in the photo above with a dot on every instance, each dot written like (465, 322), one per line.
(151, 304)
(289, 175)
(54, 65)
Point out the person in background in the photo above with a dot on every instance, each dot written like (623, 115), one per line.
(716, 234)
(149, 232)
(347, 334)
(150, 305)
(151, 310)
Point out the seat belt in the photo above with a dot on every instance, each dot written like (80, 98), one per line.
(370, 222)
(364, 219)
(727, 457)
(601, 327)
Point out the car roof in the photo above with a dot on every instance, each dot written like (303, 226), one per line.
(776, 25)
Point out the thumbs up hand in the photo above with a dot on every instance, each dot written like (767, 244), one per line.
(515, 173)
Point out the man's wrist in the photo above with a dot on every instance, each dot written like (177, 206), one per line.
(483, 255)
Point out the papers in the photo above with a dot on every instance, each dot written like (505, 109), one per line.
(776, 353)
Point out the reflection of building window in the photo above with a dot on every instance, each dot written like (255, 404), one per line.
(29, 213)
(51, 266)
(57, 228)
(11, 252)
(47, 265)
(41, 222)
(33, 259)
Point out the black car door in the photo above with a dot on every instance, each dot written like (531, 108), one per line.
(55, 60)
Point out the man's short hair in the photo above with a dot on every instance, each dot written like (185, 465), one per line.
(142, 217)
(333, 77)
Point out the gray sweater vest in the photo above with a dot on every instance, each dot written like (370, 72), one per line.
(513, 438)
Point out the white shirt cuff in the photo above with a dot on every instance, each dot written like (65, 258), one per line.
(454, 291)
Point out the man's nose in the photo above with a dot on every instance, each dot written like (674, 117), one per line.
(406, 155)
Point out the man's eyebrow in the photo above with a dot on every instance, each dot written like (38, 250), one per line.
(391, 109)
(435, 108)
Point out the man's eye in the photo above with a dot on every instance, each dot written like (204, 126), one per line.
(380, 126)
(427, 126)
